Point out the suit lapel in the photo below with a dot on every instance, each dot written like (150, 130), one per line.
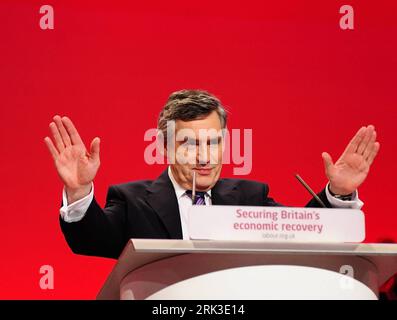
(163, 200)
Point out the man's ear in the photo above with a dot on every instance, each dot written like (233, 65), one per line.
(162, 147)
(226, 148)
(225, 138)
(161, 143)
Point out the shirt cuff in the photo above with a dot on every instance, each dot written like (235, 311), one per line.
(354, 203)
(75, 211)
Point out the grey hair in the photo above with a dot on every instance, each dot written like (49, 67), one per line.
(189, 105)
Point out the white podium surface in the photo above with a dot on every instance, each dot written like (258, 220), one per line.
(182, 269)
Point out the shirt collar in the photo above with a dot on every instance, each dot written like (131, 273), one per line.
(179, 191)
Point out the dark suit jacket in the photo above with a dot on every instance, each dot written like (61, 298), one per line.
(149, 209)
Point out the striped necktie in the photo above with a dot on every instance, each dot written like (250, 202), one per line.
(200, 197)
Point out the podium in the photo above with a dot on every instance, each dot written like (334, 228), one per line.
(184, 269)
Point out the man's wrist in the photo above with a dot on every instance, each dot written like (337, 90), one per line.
(341, 196)
(74, 195)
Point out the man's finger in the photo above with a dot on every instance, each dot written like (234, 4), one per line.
(366, 140)
(328, 163)
(94, 149)
(71, 129)
(65, 136)
(370, 146)
(352, 146)
(51, 148)
(57, 137)
(373, 153)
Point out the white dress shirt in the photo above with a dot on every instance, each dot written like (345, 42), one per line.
(185, 202)
(76, 211)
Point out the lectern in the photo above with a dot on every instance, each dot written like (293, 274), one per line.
(205, 269)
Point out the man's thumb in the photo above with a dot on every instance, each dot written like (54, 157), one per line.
(327, 161)
(94, 149)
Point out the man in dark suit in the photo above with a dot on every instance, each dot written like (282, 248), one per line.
(159, 209)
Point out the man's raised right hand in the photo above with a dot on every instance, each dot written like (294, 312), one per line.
(75, 165)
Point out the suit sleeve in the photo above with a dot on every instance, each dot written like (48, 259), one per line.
(312, 203)
(101, 232)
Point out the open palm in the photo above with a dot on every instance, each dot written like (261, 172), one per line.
(352, 168)
(75, 165)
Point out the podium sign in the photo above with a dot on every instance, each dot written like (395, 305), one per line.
(276, 224)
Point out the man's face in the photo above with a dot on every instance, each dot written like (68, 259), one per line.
(198, 147)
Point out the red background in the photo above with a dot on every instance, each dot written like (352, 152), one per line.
(283, 68)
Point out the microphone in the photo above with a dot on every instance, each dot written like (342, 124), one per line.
(315, 196)
(194, 187)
